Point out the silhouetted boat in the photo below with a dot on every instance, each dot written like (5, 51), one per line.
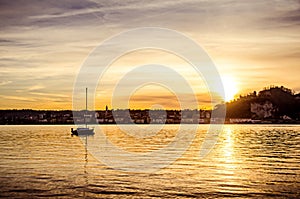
(83, 130)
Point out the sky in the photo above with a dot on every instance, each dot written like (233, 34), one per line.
(43, 45)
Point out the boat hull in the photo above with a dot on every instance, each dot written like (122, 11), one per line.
(82, 131)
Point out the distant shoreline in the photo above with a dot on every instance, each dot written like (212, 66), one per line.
(127, 116)
(286, 124)
(111, 124)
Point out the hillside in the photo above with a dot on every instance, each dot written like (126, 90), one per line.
(271, 103)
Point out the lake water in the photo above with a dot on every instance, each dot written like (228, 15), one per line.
(248, 161)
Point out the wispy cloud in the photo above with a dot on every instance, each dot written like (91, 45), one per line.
(2, 83)
(50, 95)
(18, 98)
(35, 87)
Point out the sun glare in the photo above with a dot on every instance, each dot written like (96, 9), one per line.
(230, 88)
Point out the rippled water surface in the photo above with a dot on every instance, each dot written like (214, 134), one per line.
(249, 161)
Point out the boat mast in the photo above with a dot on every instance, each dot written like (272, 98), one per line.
(86, 90)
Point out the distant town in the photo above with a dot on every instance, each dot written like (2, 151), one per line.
(125, 116)
(274, 104)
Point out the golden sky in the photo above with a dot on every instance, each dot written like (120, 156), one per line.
(43, 44)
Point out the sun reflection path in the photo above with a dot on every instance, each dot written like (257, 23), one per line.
(228, 144)
(228, 153)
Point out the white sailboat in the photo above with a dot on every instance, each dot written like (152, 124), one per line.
(83, 130)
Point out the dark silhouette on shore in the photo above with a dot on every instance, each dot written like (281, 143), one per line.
(271, 105)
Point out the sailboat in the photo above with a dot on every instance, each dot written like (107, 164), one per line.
(83, 130)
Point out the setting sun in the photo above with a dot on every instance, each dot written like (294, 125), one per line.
(230, 87)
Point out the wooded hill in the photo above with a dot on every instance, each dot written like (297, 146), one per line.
(271, 103)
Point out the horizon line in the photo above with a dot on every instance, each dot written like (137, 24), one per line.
(28, 109)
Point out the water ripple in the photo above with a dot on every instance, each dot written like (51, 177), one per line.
(250, 161)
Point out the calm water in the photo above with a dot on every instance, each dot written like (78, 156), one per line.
(250, 161)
